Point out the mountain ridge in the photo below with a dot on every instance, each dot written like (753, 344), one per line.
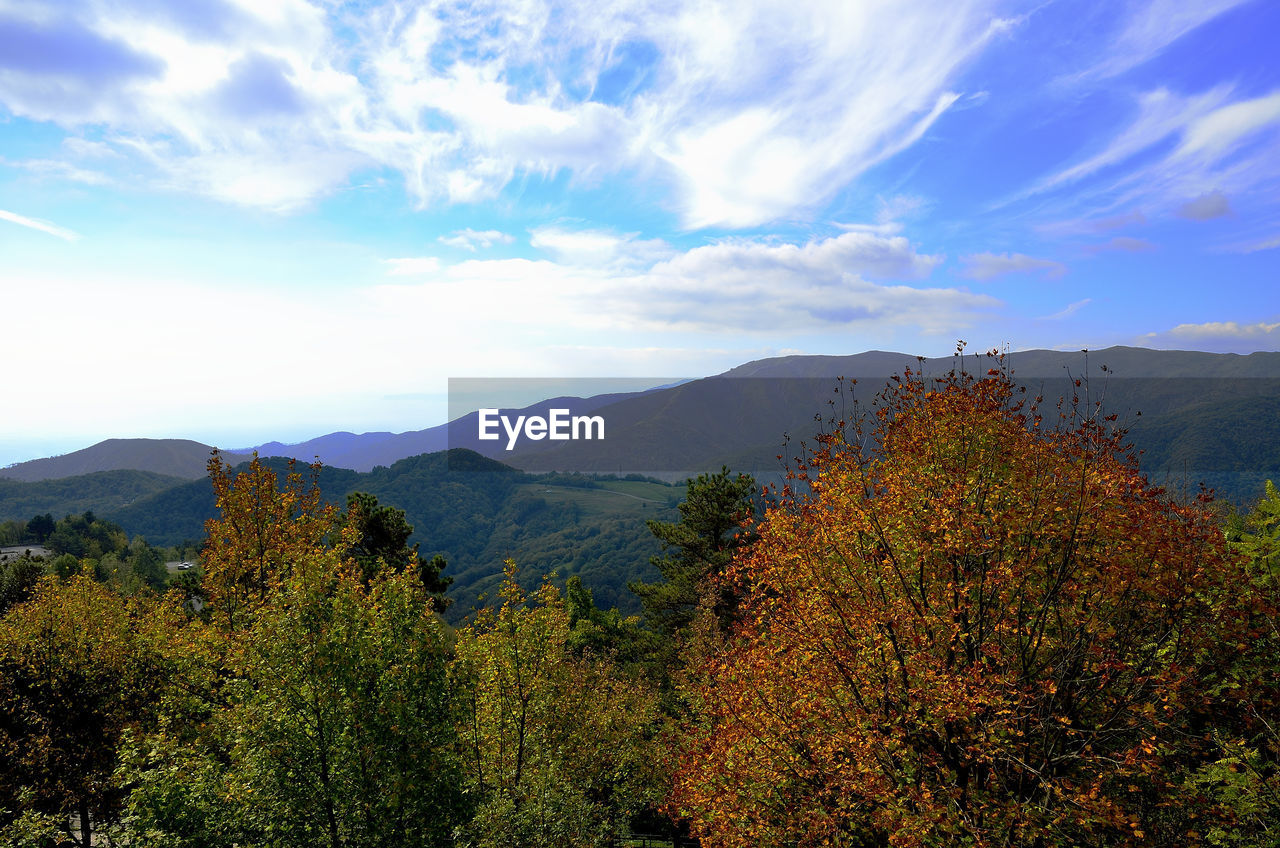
(660, 419)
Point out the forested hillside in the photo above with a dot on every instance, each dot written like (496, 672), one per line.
(473, 511)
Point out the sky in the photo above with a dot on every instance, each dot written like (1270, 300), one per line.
(238, 221)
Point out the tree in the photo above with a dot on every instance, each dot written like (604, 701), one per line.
(558, 748)
(148, 564)
(18, 579)
(1242, 777)
(699, 547)
(264, 528)
(74, 674)
(979, 629)
(383, 541)
(41, 527)
(319, 711)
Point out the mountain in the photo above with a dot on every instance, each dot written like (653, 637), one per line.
(476, 513)
(750, 415)
(1192, 413)
(370, 450)
(1127, 362)
(170, 457)
(101, 492)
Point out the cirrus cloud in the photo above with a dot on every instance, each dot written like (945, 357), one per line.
(746, 111)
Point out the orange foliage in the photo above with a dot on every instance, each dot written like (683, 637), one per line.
(986, 630)
(265, 528)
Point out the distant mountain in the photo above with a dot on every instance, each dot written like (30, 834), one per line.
(739, 418)
(370, 450)
(477, 513)
(102, 492)
(744, 417)
(170, 457)
(1126, 362)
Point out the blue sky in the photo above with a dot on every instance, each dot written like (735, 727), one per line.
(271, 219)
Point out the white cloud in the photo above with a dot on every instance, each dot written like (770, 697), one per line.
(1218, 336)
(988, 266)
(474, 240)
(1150, 28)
(598, 247)
(1255, 246)
(734, 286)
(749, 110)
(36, 224)
(1176, 147)
(1161, 113)
(1216, 133)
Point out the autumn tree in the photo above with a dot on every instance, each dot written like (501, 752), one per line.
(76, 670)
(264, 527)
(966, 624)
(558, 748)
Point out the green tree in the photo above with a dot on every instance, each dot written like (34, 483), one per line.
(148, 564)
(18, 579)
(383, 541)
(699, 548)
(41, 527)
(322, 714)
(559, 749)
(1242, 776)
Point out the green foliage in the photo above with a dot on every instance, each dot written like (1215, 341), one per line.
(87, 537)
(1241, 777)
(103, 492)
(341, 720)
(41, 526)
(475, 513)
(316, 709)
(18, 579)
(559, 749)
(383, 542)
(699, 546)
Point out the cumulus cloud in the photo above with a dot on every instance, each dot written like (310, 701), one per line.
(1214, 204)
(731, 286)
(1218, 336)
(988, 266)
(746, 111)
